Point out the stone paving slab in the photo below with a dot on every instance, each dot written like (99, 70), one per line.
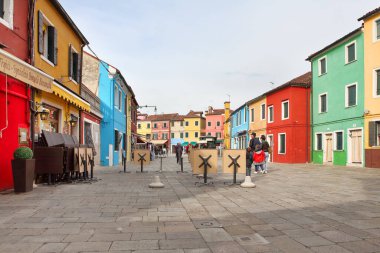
(294, 208)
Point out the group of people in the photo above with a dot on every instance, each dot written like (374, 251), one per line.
(257, 154)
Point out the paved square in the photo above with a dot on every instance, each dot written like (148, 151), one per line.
(294, 208)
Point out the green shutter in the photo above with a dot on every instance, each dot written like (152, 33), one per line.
(339, 141)
(372, 133)
(40, 33)
(319, 141)
(352, 95)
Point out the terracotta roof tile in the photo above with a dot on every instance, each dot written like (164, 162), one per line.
(162, 117)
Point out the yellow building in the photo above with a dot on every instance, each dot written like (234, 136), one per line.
(227, 130)
(257, 118)
(58, 50)
(144, 127)
(372, 88)
(194, 125)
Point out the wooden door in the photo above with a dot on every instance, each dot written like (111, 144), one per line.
(356, 146)
(329, 148)
(271, 144)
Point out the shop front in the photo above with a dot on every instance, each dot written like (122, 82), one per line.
(16, 106)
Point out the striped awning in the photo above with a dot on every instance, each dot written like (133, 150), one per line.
(70, 96)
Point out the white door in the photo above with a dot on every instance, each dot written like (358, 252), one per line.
(356, 146)
(270, 141)
(96, 139)
(110, 155)
(329, 148)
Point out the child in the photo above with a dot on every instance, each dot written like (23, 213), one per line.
(259, 159)
(248, 161)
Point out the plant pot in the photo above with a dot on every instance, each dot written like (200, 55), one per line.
(23, 174)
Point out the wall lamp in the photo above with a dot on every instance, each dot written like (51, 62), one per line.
(73, 121)
(39, 109)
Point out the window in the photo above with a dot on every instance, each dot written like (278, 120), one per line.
(218, 135)
(318, 142)
(262, 111)
(196, 123)
(165, 125)
(187, 135)
(270, 114)
(120, 97)
(196, 134)
(164, 136)
(148, 136)
(208, 134)
(322, 66)
(323, 103)
(74, 64)
(281, 143)
(155, 125)
(376, 85)
(209, 123)
(155, 136)
(245, 115)
(376, 30)
(181, 123)
(374, 133)
(118, 137)
(6, 13)
(172, 123)
(218, 123)
(339, 140)
(148, 126)
(181, 135)
(116, 97)
(252, 115)
(351, 95)
(187, 123)
(285, 110)
(47, 39)
(139, 126)
(172, 134)
(351, 52)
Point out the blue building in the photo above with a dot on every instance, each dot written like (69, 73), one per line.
(113, 97)
(239, 123)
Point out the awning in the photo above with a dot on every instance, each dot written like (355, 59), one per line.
(219, 141)
(70, 96)
(193, 143)
(185, 143)
(24, 72)
(159, 142)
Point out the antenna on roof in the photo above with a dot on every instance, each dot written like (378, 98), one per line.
(272, 84)
(229, 97)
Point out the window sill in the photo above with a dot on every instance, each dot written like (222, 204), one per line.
(47, 60)
(73, 80)
(320, 75)
(348, 63)
(351, 106)
(322, 112)
(339, 150)
(6, 23)
(284, 118)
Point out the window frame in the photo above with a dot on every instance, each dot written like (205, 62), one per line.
(252, 115)
(45, 56)
(335, 140)
(320, 66)
(282, 109)
(148, 125)
(209, 123)
(71, 71)
(218, 123)
(346, 52)
(172, 135)
(374, 83)
(347, 95)
(7, 19)
(196, 134)
(316, 148)
(269, 118)
(196, 123)
(279, 144)
(186, 134)
(263, 111)
(375, 37)
(320, 104)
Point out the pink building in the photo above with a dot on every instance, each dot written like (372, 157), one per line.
(161, 129)
(215, 123)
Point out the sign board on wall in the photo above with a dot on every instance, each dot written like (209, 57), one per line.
(24, 72)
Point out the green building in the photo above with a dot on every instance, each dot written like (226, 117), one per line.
(338, 102)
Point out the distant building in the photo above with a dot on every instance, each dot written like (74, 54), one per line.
(215, 123)
(161, 129)
(194, 125)
(177, 131)
(239, 124)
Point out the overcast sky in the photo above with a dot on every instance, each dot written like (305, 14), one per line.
(189, 54)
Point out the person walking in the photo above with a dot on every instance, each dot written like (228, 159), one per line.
(266, 148)
(178, 152)
(249, 160)
(253, 142)
(258, 159)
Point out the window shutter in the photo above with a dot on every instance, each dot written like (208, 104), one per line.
(40, 33)
(50, 52)
(79, 67)
(1, 9)
(74, 66)
(55, 53)
(70, 61)
(372, 133)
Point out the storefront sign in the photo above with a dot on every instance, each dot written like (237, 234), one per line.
(24, 72)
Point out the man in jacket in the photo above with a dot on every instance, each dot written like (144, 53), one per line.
(254, 141)
(178, 152)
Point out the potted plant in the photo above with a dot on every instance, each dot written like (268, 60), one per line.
(23, 169)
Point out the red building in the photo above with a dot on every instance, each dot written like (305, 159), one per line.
(161, 129)
(288, 120)
(215, 123)
(16, 76)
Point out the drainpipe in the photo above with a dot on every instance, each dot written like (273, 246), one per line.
(32, 5)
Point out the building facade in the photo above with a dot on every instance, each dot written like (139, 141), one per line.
(194, 125)
(257, 116)
(161, 129)
(215, 123)
(177, 131)
(58, 45)
(371, 27)
(17, 108)
(338, 102)
(239, 123)
(288, 120)
(227, 130)
(144, 127)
